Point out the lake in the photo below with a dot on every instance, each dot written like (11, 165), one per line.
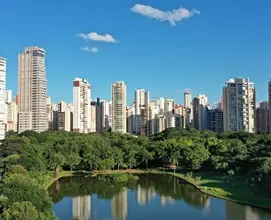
(153, 196)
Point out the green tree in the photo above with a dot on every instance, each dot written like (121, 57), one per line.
(21, 211)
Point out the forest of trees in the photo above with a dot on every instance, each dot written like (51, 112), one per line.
(27, 158)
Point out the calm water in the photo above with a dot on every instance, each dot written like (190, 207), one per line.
(153, 197)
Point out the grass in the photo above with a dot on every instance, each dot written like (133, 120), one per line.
(235, 190)
(51, 178)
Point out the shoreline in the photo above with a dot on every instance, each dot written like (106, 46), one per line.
(197, 184)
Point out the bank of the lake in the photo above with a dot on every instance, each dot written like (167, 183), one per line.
(209, 183)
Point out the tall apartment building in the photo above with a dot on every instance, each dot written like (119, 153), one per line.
(216, 120)
(262, 122)
(65, 116)
(99, 125)
(239, 105)
(110, 114)
(139, 103)
(2, 97)
(130, 117)
(200, 113)
(105, 115)
(145, 115)
(93, 114)
(32, 90)
(119, 107)
(11, 113)
(8, 96)
(81, 103)
(188, 107)
(269, 101)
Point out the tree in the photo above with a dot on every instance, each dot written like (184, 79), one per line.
(21, 211)
(146, 156)
(107, 164)
(55, 162)
(73, 160)
(22, 188)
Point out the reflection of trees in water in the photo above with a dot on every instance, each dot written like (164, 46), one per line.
(165, 185)
(235, 211)
(171, 187)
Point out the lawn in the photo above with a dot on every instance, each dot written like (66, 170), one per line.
(237, 189)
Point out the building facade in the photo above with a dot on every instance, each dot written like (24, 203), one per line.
(2, 97)
(81, 103)
(200, 113)
(119, 107)
(262, 122)
(32, 91)
(239, 105)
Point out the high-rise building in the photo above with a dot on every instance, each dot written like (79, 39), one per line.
(239, 105)
(130, 115)
(65, 116)
(200, 113)
(216, 120)
(11, 118)
(99, 116)
(81, 103)
(32, 89)
(139, 103)
(145, 115)
(93, 114)
(119, 107)
(105, 115)
(2, 97)
(110, 114)
(8, 96)
(262, 118)
(188, 107)
(269, 101)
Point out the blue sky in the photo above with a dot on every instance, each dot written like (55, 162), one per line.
(211, 41)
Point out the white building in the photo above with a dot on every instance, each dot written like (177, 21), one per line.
(139, 103)
(119, 107)
(188, 107)
(169, 106)
(105, 115)
(2, 97)
(81, 103)
(32, 90)
(239, 105)
(93, 116)
(11, 116)
(8, 96)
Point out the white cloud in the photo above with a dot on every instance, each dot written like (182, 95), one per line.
(172, 17)
(93, 36)
(90, 49)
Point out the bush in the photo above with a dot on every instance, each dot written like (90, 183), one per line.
(117, 178)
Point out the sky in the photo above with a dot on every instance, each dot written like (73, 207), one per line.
(159, 45)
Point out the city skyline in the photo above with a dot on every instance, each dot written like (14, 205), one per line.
(150, 53)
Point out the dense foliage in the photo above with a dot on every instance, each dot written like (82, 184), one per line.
(116, 177)
(26, 158)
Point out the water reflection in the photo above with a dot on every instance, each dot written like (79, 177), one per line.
(144, 195)
(119, 205)
(81, 208)
(163, 197)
